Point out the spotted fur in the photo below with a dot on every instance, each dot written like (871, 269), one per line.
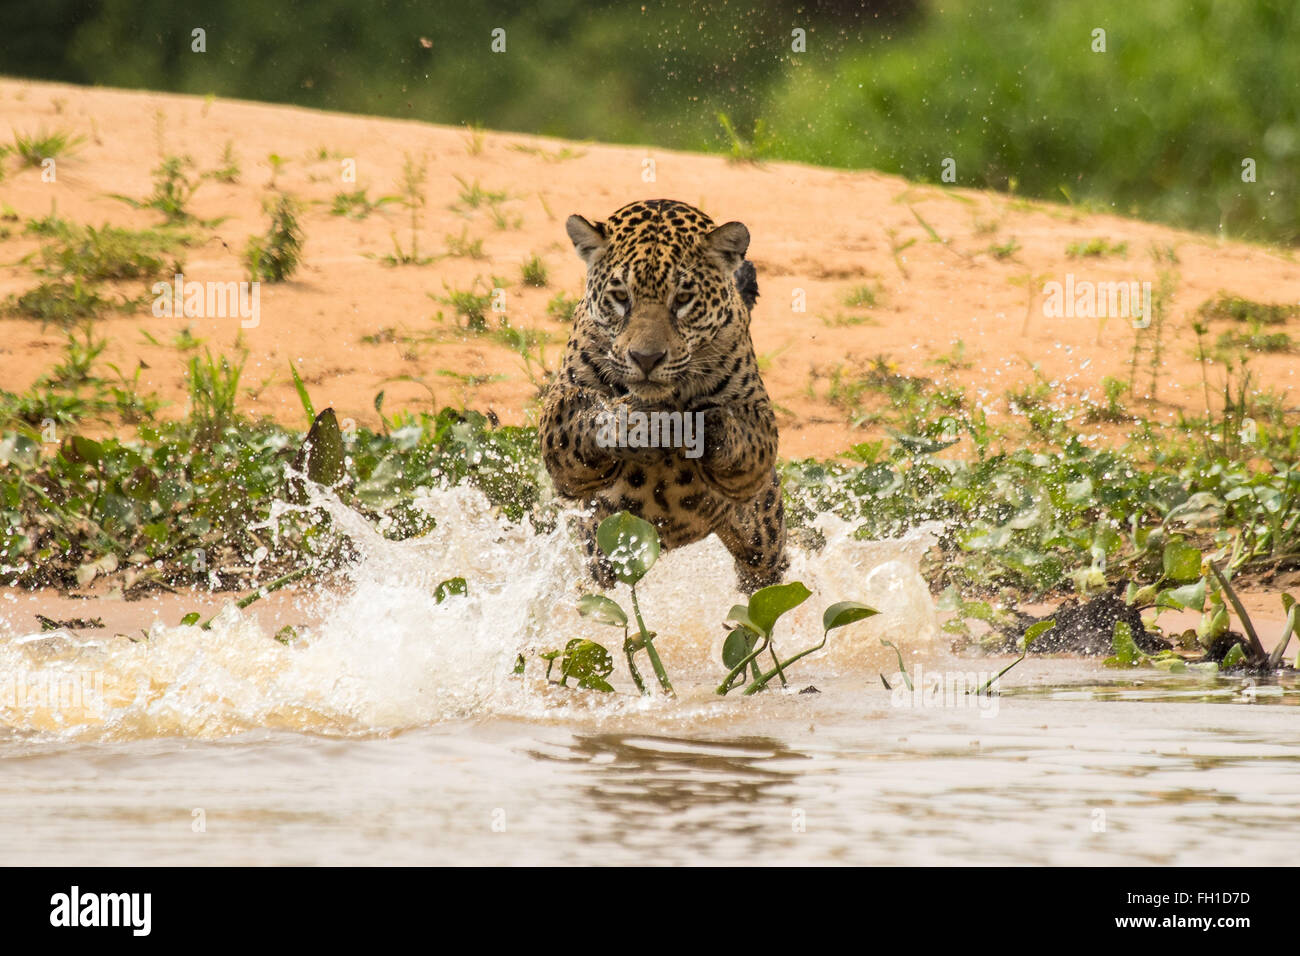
(664, 325)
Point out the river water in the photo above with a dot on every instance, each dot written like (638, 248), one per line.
(394, 731)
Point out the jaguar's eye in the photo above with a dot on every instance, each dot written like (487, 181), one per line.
(682, 298)
(618, 295)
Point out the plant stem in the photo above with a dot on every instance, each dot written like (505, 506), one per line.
(994, 680)
(262, 592)
(762, 681)
(777, 661)
(655, 662)
(1279, 649)
(630, 648)
(1256, 648)
(759, 648)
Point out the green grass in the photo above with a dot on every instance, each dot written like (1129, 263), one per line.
(861, 297)
(1239, 309)
(755, 147)
(33, 148)
(275, 256)
(1255, 340)
(357, 204)
(470, 306)
(534, 272)
(463, 247)
(561, 307)
(1096, 249)
(228, 172)
(114, 253)
(173, 188)
(59, 301)
(474, 196)
(1004, 250)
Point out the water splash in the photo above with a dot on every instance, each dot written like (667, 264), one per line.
(381, 655)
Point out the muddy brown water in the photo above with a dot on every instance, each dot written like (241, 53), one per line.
(393, 731)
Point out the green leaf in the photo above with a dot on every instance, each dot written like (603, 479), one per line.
(907, 679)
(602, 609)
(1126, 649)
(1182, 562)
(630, 543)
(1035, 631)
(1236, 654)
(587, 662)
(1143, 596)
(302, 393)
(1212, 625)
(189, 620)
(1190, 596)
(844, 613)
(323, 450)
(738, 645)
(768, 604)
(82, 451)
(449, 587)
(739, 614)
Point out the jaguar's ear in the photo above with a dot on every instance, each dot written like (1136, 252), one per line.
(589, 240)
(728, 244)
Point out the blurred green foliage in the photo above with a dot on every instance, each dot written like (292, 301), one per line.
(1158, 125)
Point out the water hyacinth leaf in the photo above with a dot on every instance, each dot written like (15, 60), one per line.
(768, 604)
(602, 609)
(1189, 596)
(189, 620)
(739, 614)
(1236, 654)
(1182, 561)
(588, 663)
(1126, 649)
(738, 645)
(449, 587)
(82, 451)
(323, 450)
(630, 543)
(1212, 625)
(1142, 596)
(1035, 631)
(844, 613)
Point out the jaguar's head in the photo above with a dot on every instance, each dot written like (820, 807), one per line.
(663, 312)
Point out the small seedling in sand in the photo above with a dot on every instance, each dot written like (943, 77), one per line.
(35, 148)
(534, 272)
(275, 256)
(1096, 249)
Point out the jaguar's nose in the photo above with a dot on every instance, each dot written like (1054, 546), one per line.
(646, 360)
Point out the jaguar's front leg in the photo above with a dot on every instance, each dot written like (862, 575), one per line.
(739, 450)
(574, 437)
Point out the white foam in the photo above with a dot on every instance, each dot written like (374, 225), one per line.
(382, 655)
